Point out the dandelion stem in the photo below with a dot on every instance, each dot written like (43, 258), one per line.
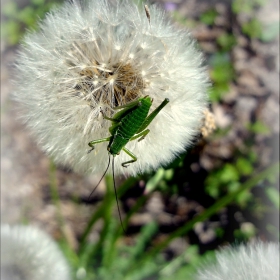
(55, 197)
(99, 212)
(67, 240)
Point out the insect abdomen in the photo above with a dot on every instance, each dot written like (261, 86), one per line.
(130, 124)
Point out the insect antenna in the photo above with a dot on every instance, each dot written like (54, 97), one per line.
(101, 178)
(113, 169)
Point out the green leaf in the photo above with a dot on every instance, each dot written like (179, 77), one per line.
(227, 176)
(246, 6)
(243, 198)
(229, 173)
(28, 16)
(38, 2)
(273, 230)
(243, 6)
(258, 127)
(244, 166)
(219, 58)
(219, 232)
(154, 181)
(226, 41)
(222, 68)
(212, 184)
(273, 195)
(233, 186)
(10, 9)
(168, 174)
(218, 91)
(190, 255)
(212, 190)
(209, 17)
(252, 156)
(270, 32)
(10, 32)
(253, 28)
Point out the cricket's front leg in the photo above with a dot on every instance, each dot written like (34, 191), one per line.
(92, 143)
(125, 164)
(107, 118)
(142, 135)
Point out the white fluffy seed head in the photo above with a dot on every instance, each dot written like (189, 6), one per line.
(97, 55)
(28, 253)
(256, 261)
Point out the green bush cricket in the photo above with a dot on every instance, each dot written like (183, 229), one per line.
(127, 125)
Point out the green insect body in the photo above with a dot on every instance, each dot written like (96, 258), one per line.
(129, 124)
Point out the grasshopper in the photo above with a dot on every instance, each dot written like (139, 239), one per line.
(127, 125)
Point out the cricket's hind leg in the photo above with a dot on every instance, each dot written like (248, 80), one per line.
(134, 158)
(92, 143)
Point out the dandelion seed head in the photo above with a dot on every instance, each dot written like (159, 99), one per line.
(253, 261)
(98, 55)
(28, 253)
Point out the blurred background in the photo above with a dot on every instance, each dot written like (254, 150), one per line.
(222, 191)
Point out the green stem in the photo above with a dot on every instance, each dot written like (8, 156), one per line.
(96, 216)
(88, 252)
(65, 242)
(55, 198)
(100, 211)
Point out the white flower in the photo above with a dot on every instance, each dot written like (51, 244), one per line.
(257, 261)
(101, 54)
(28, 253)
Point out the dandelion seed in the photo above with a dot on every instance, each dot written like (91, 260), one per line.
(27, 253)
(245, 262)
(98, 55)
